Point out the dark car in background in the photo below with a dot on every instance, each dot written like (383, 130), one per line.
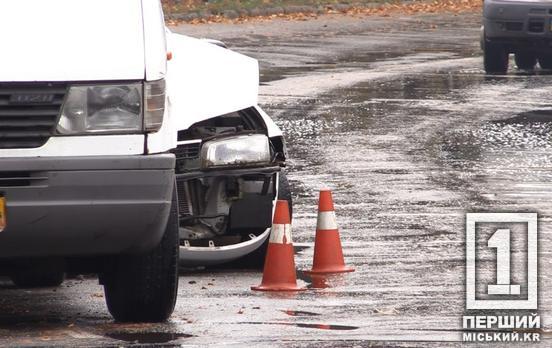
(521, 27)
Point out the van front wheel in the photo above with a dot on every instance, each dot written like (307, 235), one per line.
(143, 288)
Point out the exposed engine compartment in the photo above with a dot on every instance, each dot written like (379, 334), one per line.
(224, 206)
(225, 210)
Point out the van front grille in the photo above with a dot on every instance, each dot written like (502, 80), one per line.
(22, 179)
(29, 113)
(187, 151)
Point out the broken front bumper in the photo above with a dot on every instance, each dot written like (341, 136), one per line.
(213, 254)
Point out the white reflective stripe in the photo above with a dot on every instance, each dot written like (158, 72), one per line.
(326, 221)
(279, 231)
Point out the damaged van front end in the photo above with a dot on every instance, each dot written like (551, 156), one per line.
(126, 150)
(229, 155)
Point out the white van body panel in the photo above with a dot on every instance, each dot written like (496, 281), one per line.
(164, 139)
(205, 80)
(89, 145)
(155, 43)
(272, 129)
(90, 44)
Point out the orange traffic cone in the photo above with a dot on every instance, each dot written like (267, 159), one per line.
(328, 255)
(279, 269)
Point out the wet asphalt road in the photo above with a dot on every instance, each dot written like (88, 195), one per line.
(396, 115)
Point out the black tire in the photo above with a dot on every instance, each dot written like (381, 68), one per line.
(284, 192)
(256, 259)
(39, 273)
(525, 60)
(545, 61)
(143, 288)
(495, 58)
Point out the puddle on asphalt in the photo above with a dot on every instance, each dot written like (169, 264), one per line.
(295, 313)
(534, 116)
(299, 248)
(524, 133)
(325, 326)
(323, 281)
(147, 337)
(23, 321)
(309, 325)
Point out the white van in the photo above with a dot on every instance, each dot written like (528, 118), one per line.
(126, 149)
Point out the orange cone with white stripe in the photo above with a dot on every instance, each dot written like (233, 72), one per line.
(279, 269)
(328, 255)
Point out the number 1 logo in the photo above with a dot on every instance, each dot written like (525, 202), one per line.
(501, 241)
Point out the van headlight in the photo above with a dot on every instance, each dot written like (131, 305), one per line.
(243, 150)
(102, 109)
(116, 108)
